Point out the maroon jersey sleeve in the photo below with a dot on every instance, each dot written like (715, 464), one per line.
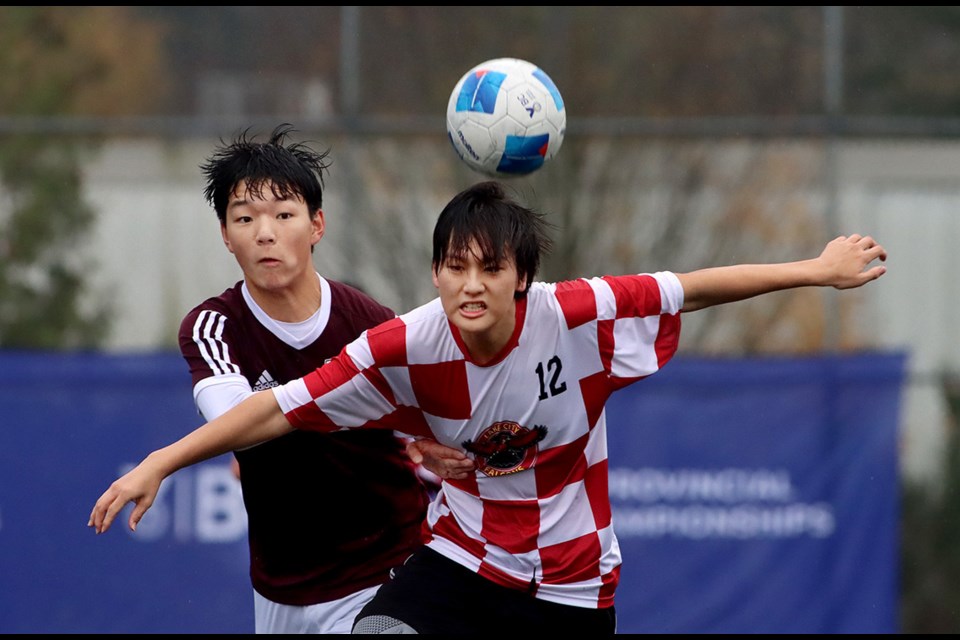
(205, 340)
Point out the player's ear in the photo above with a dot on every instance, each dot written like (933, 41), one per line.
(226, 238)
(318, 227)
(436, 281)
(521, 284)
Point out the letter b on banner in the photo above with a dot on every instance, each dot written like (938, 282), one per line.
(199, 504)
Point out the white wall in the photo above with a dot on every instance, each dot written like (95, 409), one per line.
(158, 247)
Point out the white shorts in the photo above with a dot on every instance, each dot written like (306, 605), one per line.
(335, 616)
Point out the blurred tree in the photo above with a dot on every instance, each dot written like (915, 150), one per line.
(247, 60)
(902, 60)
(694, 61)
(613, 61)
(60, 61)
(676, 61)
(624, 207)
(931, 526)
(86, 61)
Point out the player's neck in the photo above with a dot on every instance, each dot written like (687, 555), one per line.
(292, 303)
(485, 347)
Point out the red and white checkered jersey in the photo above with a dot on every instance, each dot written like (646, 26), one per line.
(536, 514)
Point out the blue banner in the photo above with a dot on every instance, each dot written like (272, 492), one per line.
(750, 496)
(758, 496)
(71, 425)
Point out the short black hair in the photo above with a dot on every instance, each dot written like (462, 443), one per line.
(500, 226)
(291, 169)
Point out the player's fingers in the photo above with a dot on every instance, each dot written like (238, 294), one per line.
(96, 518)
(863, 277)
(110, 514)
(466, 464)
(874, 273)
(99, 511)
(459, 474)
(444, 453)
(413, 452)
(136, 514)
(460, 469)
(867, 243)
(877, 251)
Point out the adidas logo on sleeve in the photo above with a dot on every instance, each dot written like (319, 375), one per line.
(265, 381)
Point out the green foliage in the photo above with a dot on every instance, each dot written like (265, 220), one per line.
(609, 61)
(59, 61)
(43, 220)
(931, 545)
(91, 61)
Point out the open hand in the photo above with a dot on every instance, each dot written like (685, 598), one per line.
(447, 463)
(140, 486)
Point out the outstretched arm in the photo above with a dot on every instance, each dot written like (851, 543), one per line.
(842, 265)
(256, 419)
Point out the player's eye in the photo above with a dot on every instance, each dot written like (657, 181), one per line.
(284, 216)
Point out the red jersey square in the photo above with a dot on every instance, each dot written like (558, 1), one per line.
(562, 562)
(512, 525)
(441, 389)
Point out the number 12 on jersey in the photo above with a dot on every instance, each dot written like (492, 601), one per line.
(554, 386)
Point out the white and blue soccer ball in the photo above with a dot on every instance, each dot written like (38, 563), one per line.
(506, 118)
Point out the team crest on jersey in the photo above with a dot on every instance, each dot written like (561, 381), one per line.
(506, 447)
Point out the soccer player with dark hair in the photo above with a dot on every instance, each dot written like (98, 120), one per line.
(516, 373)
(329, 515)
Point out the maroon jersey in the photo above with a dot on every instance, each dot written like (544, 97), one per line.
(329, 514)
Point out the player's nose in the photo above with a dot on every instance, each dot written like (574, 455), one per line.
(265, 233)
(473, 281)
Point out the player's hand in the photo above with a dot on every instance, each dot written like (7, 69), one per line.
(140, 486)
(447, 463)
(846, 259)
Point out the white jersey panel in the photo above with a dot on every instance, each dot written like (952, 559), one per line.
(466, 509)
(522, 567)
(596, 449)
(671, 291)
(345, 411)
(292, 395)
(428, 339)
(566, 516)
(507, 488)
(401, 386)
(634, 353)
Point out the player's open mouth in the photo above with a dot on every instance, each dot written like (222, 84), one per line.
(473, 307)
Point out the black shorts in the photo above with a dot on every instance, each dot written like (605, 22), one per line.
(433, 594)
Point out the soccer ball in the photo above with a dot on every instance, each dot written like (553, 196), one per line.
(506, 118)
